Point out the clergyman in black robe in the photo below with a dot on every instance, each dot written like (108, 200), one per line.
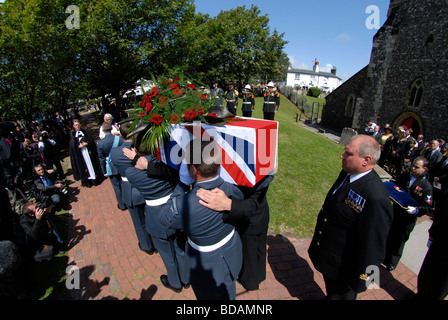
(84, 157)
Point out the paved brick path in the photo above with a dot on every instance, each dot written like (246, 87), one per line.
(104, 247)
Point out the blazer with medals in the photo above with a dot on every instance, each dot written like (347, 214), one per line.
(421, 190)
(351, 230)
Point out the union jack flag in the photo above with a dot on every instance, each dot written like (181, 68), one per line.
(248, 148)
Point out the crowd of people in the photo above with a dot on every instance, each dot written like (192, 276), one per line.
(230, 97)
(401, 147)
(30, 161)
(201, 244)
(210, 233)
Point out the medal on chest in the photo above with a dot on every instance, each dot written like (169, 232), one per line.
(355, 201)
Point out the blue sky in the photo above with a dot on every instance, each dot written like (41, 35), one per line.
(333, 31)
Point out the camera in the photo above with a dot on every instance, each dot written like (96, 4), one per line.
(43, 201)
(63, 189)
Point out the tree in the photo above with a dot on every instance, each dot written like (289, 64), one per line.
(236, 45)
(43, 62)
(123, 41)
(38, 57)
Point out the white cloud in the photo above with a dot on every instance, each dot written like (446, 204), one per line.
(326, 68)
(295, 64)
(343, 37)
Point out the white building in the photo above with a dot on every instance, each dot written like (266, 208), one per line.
(327, 81)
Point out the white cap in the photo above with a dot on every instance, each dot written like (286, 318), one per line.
(271, 84)
(247, 87)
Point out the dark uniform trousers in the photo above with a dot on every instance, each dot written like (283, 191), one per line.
(134, 201)
(350, 234)
(156, 193)
(214, 251)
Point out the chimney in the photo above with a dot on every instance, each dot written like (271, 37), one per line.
(333, 71)
(316, 66)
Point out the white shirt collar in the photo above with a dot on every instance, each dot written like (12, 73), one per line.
(357, 176)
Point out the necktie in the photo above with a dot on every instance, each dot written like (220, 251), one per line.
(343, 184)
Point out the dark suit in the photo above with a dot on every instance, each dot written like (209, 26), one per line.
(212, 270)
(45, 185)
(403, 222)
(251, 217)
(432, 282)
(346, 242)
(156, 193)
(104, 146)
(132, 198)
(434, 157)
(377, 136)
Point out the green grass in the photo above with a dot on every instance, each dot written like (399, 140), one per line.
(308, 165)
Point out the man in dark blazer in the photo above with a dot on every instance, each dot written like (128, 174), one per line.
(433, 154)
(353, 224)
(104, 146)
(156, 193)
(417, 185)
(133, 200)
(214, 250)
(47, 185)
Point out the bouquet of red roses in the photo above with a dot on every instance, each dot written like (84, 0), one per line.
(172, 100)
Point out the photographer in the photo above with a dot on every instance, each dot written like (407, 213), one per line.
(46, 187)
(42, 236)
(50, 153)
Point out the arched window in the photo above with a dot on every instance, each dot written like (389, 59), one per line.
(350, 106)
(416, 93)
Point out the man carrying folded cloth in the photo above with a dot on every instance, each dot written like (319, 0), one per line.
(417, 185)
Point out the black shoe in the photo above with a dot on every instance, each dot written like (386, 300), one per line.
(166, 284)
(186, 286)
(118, 206)
(150, 252)
(391, 267)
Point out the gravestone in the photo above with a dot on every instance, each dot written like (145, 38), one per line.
(347, 134)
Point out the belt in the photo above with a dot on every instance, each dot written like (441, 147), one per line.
(247, 102)
(157, 202)
(124, 179)
(212, 247)
(270, 102)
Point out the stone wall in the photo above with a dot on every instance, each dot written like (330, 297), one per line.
(411, 45)
(333, 114)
